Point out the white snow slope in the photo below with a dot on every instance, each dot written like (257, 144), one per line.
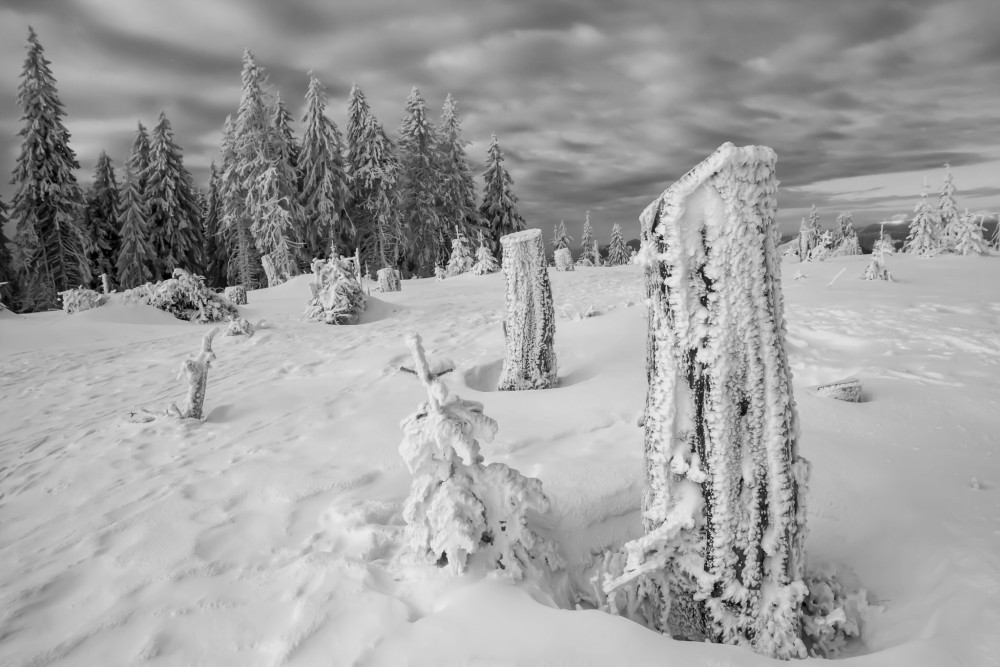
(270, 533)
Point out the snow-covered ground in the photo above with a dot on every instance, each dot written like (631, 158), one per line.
(270, 534)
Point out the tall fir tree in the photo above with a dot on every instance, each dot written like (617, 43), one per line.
(243, 267)
(135, 260)
(421, 193)
(949, 222)
(216, 255)
(588, 255)
(47, 204)
(922, 239)
(101, 218)
(7, 271)
(498, 211)
(374, 178)
(325, 186)
(138, 159)
(618, 252)
(967, 236)
(174, 215)
(458, 186)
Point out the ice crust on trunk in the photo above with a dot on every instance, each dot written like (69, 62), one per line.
(723, 506)
(529, 324)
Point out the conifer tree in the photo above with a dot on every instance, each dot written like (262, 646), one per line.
(458, 187)
(138, 159)
(374, 177)
(499, 208)
(949, 222)
(325, 188)
(485, 261)
(243, 267)
(560, 238)
(133, 265)
(101, 218)
(281, 124)
(461, 259)
(47, 203)
(7, 271)
(174, 215)
(845, 237)
(588, 254)
(967, 236)
(421, 187)
(922, 240)
(216, 256)
(618, 254)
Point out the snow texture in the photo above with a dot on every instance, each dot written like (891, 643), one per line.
(723, 502)
(564, 259)
(529, 323)
(337, 297)
(459, 508)
(80, 299)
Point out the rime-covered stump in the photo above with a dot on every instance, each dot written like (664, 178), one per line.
(237, 294)
(723, 504)
(389, 280)
(195, 371)
(529, 324)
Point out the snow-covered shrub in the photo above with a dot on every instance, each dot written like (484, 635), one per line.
(240, 326)
(529, 323)
(823, 248)
(876, 269)
(184, 296)
(80, 299)
(485, 261)
(389, 280)
(195, 371)
(833, 613)
(237, 294)
(439, 272)
(337, 297)
(724, 496)
(564, 259)
(461, 510)
(924, 238)
(461, 255)
(967, 236)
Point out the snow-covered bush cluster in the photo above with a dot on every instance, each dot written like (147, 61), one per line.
(184, 296)
(337, 297)
(80, 299)
(833, 613)
(240, 326)
(563, 259)
(460, 510)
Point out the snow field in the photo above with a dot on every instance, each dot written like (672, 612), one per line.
(270, 534)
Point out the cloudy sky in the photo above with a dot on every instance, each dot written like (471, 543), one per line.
(598, 104)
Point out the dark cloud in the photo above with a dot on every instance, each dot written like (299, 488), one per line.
(598, 104)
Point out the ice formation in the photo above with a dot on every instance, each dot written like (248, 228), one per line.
(459, 509)
(723, 506)
(529, 324)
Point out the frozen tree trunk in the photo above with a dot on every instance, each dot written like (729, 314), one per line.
(237, 294)
(529, 324)
(389, 280)
(195, 370)
(269, 270)
(722, 470)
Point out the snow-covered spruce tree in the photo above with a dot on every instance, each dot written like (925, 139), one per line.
(133, 266)
(461, 511)
(876, 269)
(560, 238)
(845, 237)
(967, 236)
(499, 208)
(618, 254)
(588, 255)
(458, 187)
(47, 202)
(723, 501)
(922, 239)
(325, 187)
(244, 267)
(174, 214)
(184, 296)
(374, 177)
(948, 219)
(460, 260)
(337, 296)
(138, 159)
(529, 360)
(195, 371)
(421, 190)
(100, 217)
(485, 261)
(7, 270)
(563, 259)
(216, 252)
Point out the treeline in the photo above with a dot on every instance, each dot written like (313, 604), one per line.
(273, 203)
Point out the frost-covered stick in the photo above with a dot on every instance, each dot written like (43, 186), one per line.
(195, 369)
(357, 262)
(721, 429)
(529, 324)
(839, 273)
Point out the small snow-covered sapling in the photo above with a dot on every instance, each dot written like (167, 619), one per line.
(195, 371)
(563, 259)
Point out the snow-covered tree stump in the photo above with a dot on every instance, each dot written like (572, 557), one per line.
(723, 504)
(237, 294)
(529, 324)
(105, 285)
(564, 259)
(195, 370)
(389, 280)
(461, 509)
(845, 390)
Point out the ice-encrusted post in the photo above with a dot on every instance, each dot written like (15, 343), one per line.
(195, 370)
(723, 502)
(529, 324)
